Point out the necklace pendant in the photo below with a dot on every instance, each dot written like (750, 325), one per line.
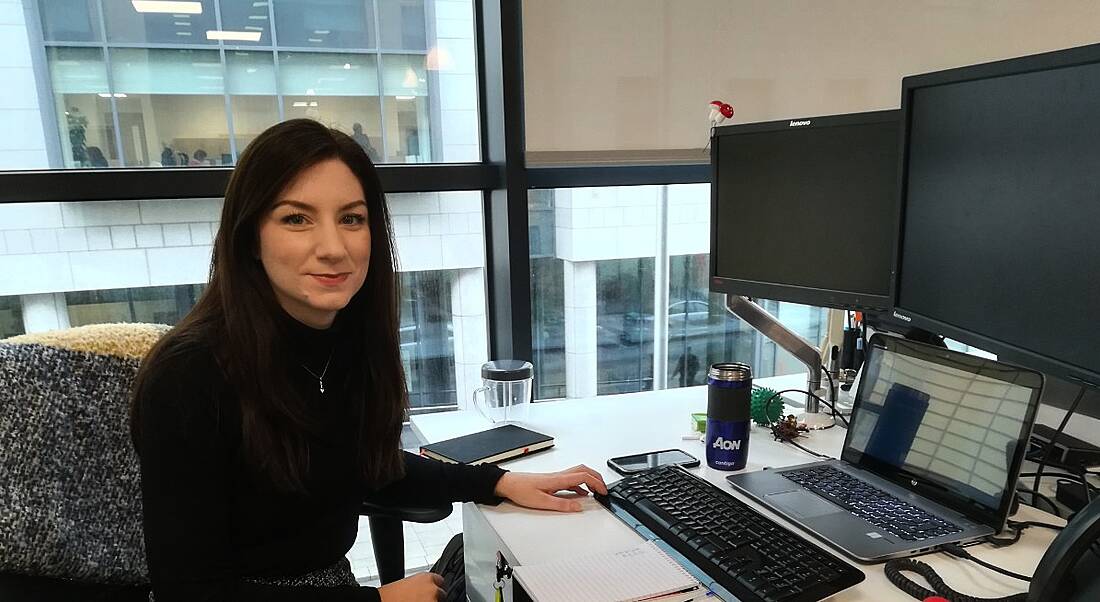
(322, 384)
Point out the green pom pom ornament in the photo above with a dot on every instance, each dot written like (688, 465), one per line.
(760, 396)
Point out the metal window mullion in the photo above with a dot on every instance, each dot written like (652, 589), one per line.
(225, 84)
(328, 50)
(381, 80)
(143, 45)
(660, 294)
(275, 58)
(435, 102)
(110, 84)
(499, 47)
(122, 184)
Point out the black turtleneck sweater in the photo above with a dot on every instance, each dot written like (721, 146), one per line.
(211, 525)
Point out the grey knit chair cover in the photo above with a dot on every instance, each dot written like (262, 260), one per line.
(70, 482)
(70, 491)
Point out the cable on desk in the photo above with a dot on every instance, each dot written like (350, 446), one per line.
(836, 414)
(958, 552)
(1024, 524)
(784, 434)
(807, 450)
(1018, 528)
(1050, 446)
(894, 568)
(832, 385)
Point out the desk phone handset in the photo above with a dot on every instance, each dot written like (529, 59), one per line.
(1068, 572)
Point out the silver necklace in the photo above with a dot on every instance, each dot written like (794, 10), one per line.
(321, 378)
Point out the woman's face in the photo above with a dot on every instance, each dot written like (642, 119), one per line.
(315, 243)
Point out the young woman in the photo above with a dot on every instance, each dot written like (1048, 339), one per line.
(268, 414)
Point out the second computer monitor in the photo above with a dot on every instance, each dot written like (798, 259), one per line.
(804, 210)
(1000, 237)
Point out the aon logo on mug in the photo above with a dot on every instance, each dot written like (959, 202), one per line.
(720, 443)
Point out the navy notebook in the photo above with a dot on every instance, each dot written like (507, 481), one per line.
(489, 447)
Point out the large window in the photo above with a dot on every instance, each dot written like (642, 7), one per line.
(701, 331)
(124, 88)
(71, 264)
(152, 304)
(82, 105)
(171, 107)
(11, 317)
(598, 277)
(325, 23)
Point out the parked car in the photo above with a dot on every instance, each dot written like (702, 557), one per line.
(685, 319)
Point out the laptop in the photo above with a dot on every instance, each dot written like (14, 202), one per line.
(931, 456)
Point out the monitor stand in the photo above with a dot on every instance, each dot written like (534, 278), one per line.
(767, 325)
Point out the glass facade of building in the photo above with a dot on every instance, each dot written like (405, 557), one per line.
(133, 89)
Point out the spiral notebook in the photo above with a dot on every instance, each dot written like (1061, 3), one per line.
(642, 573)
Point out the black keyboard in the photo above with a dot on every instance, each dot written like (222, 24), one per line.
(744, 551)
(872, 504)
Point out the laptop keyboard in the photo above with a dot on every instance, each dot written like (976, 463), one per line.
(746, 552)
(872, 504)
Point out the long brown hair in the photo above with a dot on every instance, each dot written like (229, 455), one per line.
(236, 316)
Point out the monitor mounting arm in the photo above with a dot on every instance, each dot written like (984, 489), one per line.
(769, 326)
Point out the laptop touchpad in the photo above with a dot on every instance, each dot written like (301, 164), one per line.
(803, 504)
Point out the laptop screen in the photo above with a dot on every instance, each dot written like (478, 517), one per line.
(944, 424)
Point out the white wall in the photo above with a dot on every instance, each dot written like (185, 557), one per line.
(619, 222)
(57, 247)
(23, 143)
(457, 62)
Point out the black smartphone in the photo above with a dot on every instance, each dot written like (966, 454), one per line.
(638, 462)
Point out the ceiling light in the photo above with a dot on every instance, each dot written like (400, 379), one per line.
(313, 104)
(104, 95)
(243, 36)
(321, 32)
(259, 4)
(258, 17)
(300, 104)
(250, 70)
(310, 92)
(405, 97)
(347, 65)
(156, 6)
(119, 95)
(183, 33)
(315, 40)
(253, 27)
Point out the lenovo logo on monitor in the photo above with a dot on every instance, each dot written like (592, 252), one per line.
(795, 124)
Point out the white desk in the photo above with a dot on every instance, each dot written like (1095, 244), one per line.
(588, 431)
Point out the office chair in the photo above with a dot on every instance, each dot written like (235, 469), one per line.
(70, 489)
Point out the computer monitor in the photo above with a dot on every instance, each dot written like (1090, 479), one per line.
(1000, 194)
(804, 210)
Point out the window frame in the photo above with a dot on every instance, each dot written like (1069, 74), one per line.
(502, 176)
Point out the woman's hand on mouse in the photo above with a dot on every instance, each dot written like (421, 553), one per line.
(536, 490)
